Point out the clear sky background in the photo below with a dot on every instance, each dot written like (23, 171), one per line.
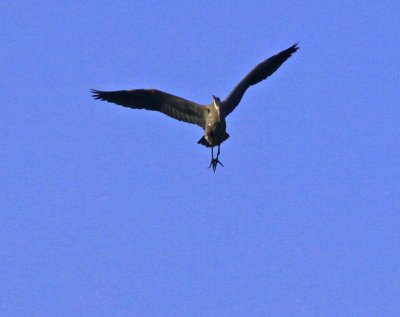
(107, 211)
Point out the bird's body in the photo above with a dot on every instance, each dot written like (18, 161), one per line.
(215, 126)
(211, 118)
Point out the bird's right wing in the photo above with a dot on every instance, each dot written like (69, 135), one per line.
(156, 100)
(258, 73)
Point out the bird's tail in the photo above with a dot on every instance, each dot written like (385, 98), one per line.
(204, 142)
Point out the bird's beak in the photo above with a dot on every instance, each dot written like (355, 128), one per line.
(216, 101)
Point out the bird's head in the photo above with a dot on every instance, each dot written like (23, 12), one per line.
(217, 101)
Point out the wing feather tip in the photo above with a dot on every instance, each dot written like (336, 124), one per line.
(97, 94)
(294, 48)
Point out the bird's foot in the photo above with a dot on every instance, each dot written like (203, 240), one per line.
(214, 162)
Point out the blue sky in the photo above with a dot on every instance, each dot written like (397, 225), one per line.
(107, 211)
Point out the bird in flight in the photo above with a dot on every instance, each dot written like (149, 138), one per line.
(211, 118)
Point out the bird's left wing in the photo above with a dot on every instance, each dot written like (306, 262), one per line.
(156, 100)
(257, 74)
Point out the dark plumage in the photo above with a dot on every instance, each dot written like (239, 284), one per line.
(209, 117)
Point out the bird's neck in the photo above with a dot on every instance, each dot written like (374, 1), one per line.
(216, 111)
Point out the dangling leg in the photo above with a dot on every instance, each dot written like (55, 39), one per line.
(212, 157)
(218, 156)
(214, 161)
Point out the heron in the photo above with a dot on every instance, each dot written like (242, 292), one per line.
(211, 117)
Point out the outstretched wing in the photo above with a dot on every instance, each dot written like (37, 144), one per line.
(156, 100)
(259, 73)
